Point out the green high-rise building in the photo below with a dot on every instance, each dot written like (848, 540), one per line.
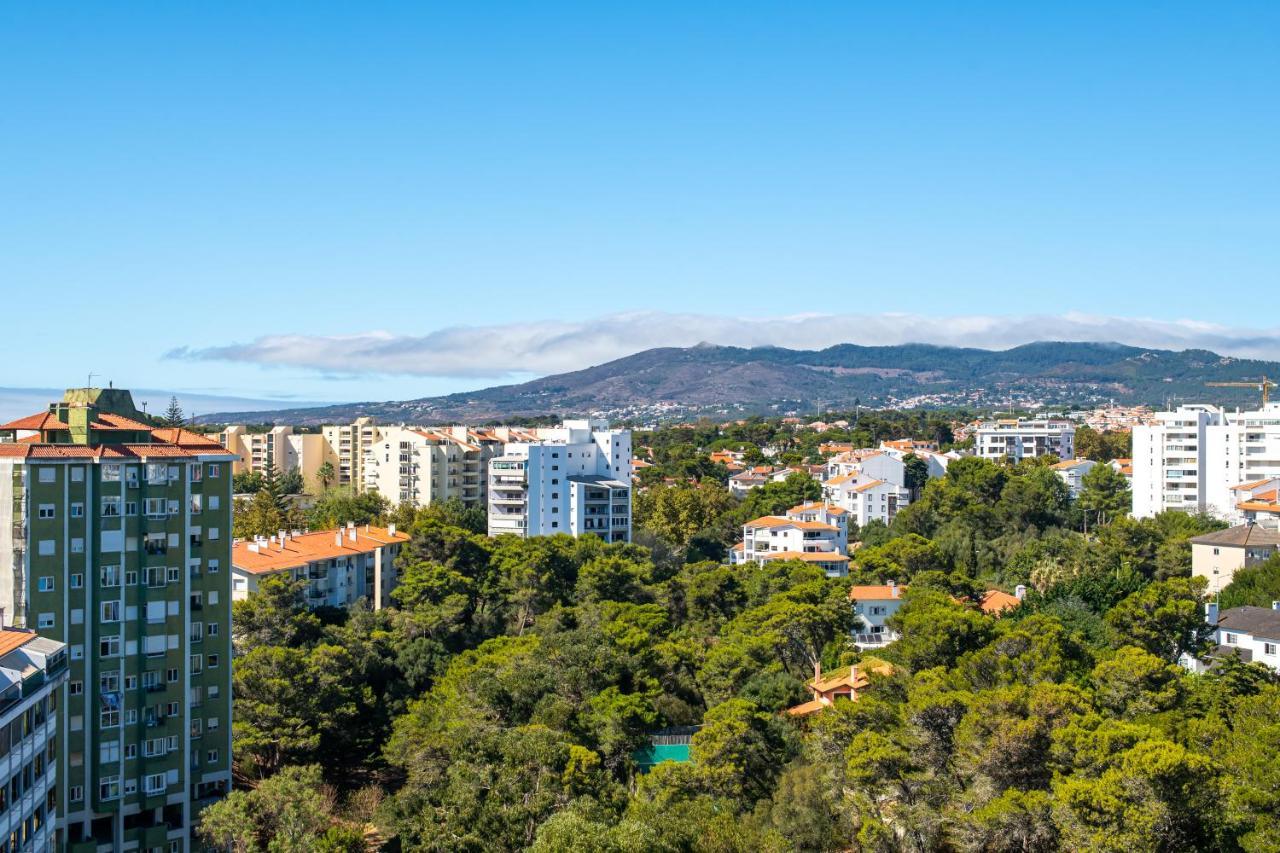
(115, 538)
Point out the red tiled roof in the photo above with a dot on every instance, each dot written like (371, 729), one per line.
(876, 592)
(997, 601)
(297, 551)
(39, 421)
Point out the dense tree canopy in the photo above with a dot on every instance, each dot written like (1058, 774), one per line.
(499, 702)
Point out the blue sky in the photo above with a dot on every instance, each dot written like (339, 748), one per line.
(383, 200)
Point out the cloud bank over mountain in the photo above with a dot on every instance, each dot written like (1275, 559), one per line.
(546, 347)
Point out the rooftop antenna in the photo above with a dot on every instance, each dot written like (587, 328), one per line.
(91, 375)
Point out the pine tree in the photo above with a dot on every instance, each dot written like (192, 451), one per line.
(173, 416)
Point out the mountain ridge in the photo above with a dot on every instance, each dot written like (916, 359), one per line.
(706, 379)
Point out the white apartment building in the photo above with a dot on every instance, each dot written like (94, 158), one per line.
(1192, 459)
(1025, 439)
(340, 566)
(574, 478)
(33, 670)
(816, 533)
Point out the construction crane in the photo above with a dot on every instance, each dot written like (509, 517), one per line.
(1264, 386)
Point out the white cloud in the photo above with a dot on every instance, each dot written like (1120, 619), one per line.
(540, 348)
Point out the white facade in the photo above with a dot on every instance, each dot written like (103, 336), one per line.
(574, 478)
(30, 675)
(865, 498)
(1252, 633)
(1072, 472)
(1192, 458)
(814, 533)
(422, 466)
(1025, 439)
(872, 607)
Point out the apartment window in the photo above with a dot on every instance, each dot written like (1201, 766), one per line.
(1268, 648)
(174, 575)
(130, 786)
(130, 508)
(214, 502)
(214, 691)
(77, 473)
(77, 545)
(157, 473)
(110, 576)
(195, 728)
(46, 511)
(211, 757)
(153, 784)
(213, 567)
(48, 474)
(197, 472)
(214, 472)
(110, 719)
(212, 629)
(130, 751)
(76, 793)
(211, 725)
(151, 680)
(157, 543)
(75, 688)
(197, 664)
(197, 504)
(77, 652)
(44, 620)
(213, 661)
(109, 647)
(1229, 639)
(131, 682)
(110, 506)
(131, 578)
(109, 682)
(197, 632)
(109, 752)
(110, 611)
(171, 709)
(47, 548)
(155, 576)
(111, 473)
(45, 583)
(155, 508)
(213, 534)
(77, 510)
(171, 743)
(171, 675)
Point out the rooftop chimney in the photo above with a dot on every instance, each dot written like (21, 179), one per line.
(351, 533)
(1211, 612)
(337, 539)
(893, 588)
(391, 528)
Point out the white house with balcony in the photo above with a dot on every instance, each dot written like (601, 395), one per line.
(1072, 472)
(815, 533)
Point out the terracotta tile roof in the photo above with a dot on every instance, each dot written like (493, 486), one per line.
(997, 601)
(297, 551)
(106, 420)
(818, 506)
(779, 521)
(871, 484)
(876, 592)
(1243, 487)
(14, 638)
(807, 556)
(804, 709)
(1269, 505)
(186, 438)
(38, 421)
